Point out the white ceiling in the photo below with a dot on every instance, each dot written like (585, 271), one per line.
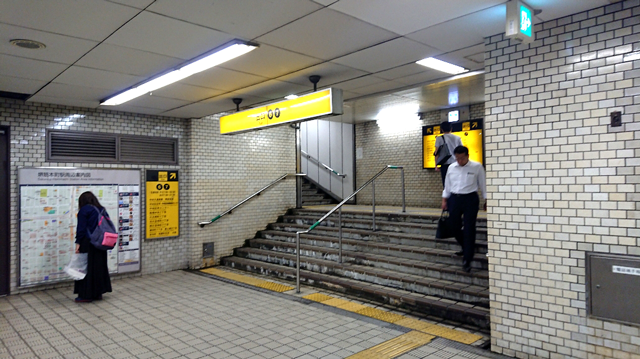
(368, 48)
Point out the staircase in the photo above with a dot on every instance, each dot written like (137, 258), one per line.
(314, 196)
(401, 263)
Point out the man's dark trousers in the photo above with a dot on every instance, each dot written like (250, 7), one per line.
(443, 172)
(464, 208)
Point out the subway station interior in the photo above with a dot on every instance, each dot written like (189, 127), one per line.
(269, 166)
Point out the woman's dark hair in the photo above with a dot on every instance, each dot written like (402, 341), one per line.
(445, 127)
(88, 198)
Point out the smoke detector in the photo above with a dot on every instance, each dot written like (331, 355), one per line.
(27, 44)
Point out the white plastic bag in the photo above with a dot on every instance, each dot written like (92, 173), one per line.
(77, 268)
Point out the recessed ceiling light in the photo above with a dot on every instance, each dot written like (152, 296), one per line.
(291, 97)
(201, 63)
(27, 44)
(441, 66)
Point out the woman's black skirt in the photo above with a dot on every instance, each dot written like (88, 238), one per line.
(97, 280)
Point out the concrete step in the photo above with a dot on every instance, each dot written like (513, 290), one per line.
(426, 254)
(416, 240)
(380, 215)
(436, 271)
(313, 197)
(321, 202)
(312, 191)
(367, 224)
(429, 305)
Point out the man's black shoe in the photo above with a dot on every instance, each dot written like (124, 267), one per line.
(460, 253)
(466, 266)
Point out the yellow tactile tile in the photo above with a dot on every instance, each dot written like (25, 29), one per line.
(276, 287)
(412, 323)
(395, 347)
(317, 297)
(335, 302)
(381, 314)
(451, 334)
(352, 307)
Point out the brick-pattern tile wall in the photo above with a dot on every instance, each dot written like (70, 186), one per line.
(225, 170)
(423, 187)
(561, 181)
(28, 123)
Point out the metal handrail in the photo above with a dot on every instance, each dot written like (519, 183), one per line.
(257, 193)
(309, 157)
(339, 208)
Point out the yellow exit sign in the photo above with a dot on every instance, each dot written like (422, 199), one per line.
(307, 107)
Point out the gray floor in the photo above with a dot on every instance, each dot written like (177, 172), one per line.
(186, 315)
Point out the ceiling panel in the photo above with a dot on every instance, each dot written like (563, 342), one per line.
(223, 79)
(329, 73)
(194, 110)
(406, 16)
(272, 90)
(553, 9)
(401, 71)
(134, 109)
(138, 4)
(268, 61)
(186, 92)
(162, 35)
(127, 61)
(81, 76)
(327, 34)
(20, 85)
(422, 77)
(350, 85)
(63, 101)
(378, 87)
(325, 2)
(244, 18)
(29, 69)
(464, 57)
(93, 20)
(464, 31)
(387, 55)
(59, 48)
(75, 92)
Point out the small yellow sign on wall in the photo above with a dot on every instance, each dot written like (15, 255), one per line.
(307, 107)
(163, 204)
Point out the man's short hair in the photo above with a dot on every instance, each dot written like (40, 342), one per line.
(445, 127)
(460, 150)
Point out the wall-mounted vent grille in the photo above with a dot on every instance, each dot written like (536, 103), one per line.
(148, 149)
(76, 146)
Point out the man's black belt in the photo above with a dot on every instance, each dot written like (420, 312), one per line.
(462, 194)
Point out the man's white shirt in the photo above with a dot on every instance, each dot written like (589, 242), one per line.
(465, 179)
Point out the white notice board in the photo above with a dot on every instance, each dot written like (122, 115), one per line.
(48, 211)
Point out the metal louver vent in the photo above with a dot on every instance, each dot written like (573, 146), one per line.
(78, 146)
(148, 149)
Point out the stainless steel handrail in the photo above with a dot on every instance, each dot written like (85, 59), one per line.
(339, 208)
(309, 157)
(257, 193)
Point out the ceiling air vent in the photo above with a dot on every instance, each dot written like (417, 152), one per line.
(73, 146)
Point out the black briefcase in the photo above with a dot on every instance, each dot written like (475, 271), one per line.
(444, 228)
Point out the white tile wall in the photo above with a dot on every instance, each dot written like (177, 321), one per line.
(561, 181)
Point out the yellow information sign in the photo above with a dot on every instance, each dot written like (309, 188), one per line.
(163, 210)
(470, 132)
(316, 104)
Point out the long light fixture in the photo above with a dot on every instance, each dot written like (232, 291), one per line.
(199, 64)
(441, 66)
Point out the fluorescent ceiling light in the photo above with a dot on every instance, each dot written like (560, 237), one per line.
(441, 66)
(200, 64)
(291, 97)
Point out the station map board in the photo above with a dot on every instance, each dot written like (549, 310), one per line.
(48, 219)
(470, 132)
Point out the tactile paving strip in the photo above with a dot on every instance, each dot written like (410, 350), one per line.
(381, 314)
(394, 347)
(317, 297)
(276, 287)
(451, 334)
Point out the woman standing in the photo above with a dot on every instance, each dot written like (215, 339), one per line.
(97, 280)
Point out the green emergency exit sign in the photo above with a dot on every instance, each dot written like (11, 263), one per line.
(525, 20)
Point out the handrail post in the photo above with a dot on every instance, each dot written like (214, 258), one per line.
(402, 180)
(298, 262)
(373, 202)
(340, 235)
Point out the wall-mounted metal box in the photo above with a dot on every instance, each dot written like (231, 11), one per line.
(613, 287)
